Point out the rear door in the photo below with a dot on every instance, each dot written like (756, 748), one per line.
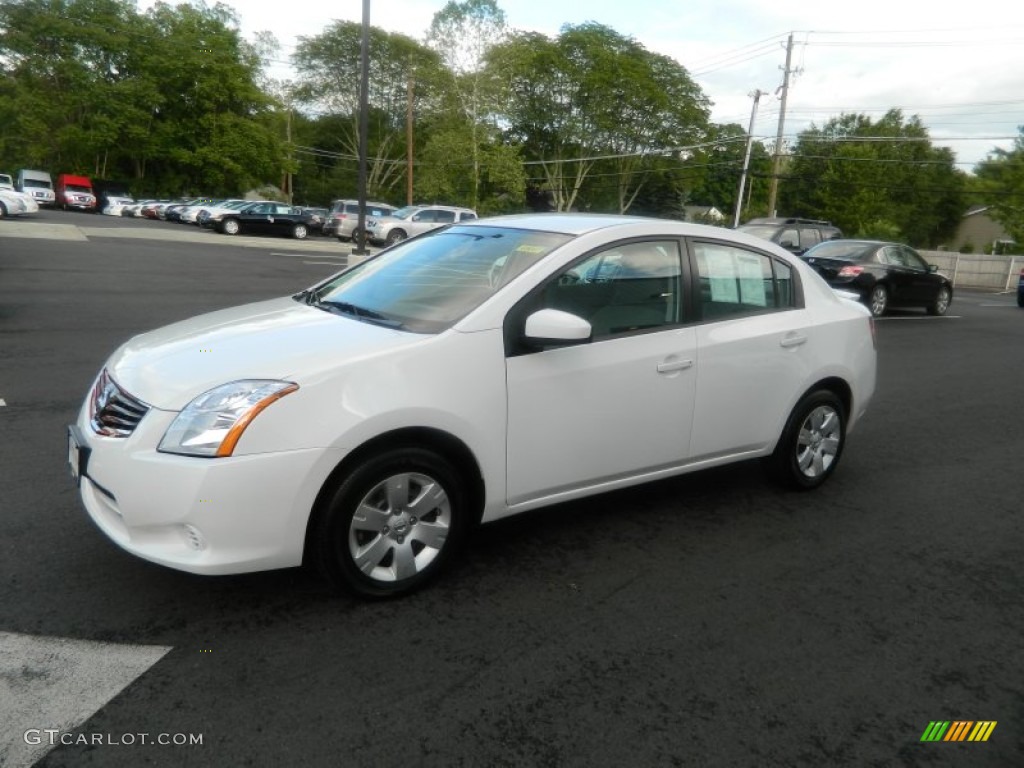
(755, 342)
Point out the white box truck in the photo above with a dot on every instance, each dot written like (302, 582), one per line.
(38, 184)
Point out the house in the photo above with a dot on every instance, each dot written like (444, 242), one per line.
(979, 233)
(703, 214)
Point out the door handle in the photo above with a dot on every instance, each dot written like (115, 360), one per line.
(674, 365)
(793, 340)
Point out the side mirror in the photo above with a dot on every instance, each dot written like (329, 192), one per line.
(933, 268)
(787, 244)
(555, 328)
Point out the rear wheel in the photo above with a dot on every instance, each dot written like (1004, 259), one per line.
(392, 523)
(229, 226)
(812, 442)
(941, 303)
(3, 210)
(300, 231)
(878, 300)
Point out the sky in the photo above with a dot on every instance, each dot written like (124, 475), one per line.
(958, 66)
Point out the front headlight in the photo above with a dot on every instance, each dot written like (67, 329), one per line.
(212, 423)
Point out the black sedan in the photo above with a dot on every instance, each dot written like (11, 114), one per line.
(883, 274)
(268, 219)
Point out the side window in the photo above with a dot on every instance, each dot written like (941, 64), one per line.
(467, 216)
(444, 216)
(789, 238)
(626, 288)
(426, 215)
(735, 282)
(261, 208)
(892, 256)
(785, 295)
(914, 261)
(809, 237)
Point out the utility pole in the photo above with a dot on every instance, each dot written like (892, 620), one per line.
(408, 143)
(364, 126)
(756, 95)
(777, 160)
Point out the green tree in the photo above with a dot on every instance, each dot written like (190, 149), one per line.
(1001, 186)
(875, 178)
(168, 97)
(594, 100)
(462, 34)
(402, 72)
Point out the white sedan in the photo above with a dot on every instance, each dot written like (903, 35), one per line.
(489, 368)
(14, 203)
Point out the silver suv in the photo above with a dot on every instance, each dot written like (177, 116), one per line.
(343, 217)
(795, 235)
(414, 220)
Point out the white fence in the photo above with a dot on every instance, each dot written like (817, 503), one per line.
(977, 270)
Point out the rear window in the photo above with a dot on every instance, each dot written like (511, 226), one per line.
(838, 250)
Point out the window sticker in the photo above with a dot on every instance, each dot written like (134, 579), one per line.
(751, 279)
(721, 273)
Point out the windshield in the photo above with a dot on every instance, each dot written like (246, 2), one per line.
(37, 183)
(406, 212)
(840, 250)
(430, 282)
(78, 188)
(762, 231)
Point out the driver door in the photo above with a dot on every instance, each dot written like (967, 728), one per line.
(619, 405)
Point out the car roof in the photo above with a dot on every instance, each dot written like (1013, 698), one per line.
(582, 223)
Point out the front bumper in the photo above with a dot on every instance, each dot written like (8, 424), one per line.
(205, 516)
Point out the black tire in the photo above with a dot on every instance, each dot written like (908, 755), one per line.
(1020, 299)
(362, 544)
(300, 231)
(229, 227)
(3, 210)
(811, 444)
(878, 300)
(355, 235)
(941, 303)
(395, 236)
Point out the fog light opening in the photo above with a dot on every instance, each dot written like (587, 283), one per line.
(193, 538)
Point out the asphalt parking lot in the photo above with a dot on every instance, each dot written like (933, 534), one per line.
(709, 620)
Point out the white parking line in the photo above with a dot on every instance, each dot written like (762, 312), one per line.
(54, 683)
(331, 263)
(2, 402)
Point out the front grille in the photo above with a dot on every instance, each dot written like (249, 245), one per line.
(112, 411)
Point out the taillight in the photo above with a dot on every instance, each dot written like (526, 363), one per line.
(850, 271)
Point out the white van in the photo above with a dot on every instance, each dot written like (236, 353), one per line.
(38, 184)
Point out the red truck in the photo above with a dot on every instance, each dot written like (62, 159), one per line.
(74, 192)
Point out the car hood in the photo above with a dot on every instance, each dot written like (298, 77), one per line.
(277, 339)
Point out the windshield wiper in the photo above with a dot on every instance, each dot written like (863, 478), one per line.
(345, 308)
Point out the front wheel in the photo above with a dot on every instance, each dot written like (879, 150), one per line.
(941, 303)
(3, 210)
(229, 226)
(811, 443)
(392, 523)
(300, 231)
(878, 300)
(394, 236)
